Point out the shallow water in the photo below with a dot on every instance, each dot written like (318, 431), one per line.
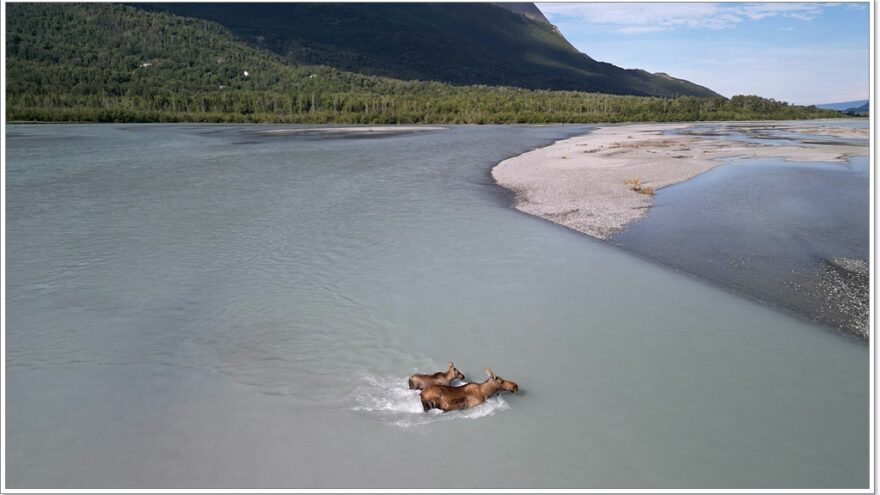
(767, 228)
(775, 133)
(205, 306)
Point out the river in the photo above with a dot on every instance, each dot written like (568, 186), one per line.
(213, 306)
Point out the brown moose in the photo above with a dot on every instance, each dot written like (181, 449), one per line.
(466, 396)
(421, 382)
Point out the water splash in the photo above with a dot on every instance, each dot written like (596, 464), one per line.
(389, 400)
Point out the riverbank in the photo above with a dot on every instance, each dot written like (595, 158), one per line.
(784, 221)
(600, 182)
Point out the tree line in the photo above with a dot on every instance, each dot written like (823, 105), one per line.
(114, 63)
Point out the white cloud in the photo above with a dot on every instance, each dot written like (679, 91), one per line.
(652, 17)
(639, 29)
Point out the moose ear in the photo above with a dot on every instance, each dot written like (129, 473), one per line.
(451, 365)
(489, 372)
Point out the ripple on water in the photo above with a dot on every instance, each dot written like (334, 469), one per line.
(387, 399)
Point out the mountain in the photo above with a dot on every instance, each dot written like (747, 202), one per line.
(457, 43)
(862, 109)
(843, 106)
(103, 62)
(524, 9)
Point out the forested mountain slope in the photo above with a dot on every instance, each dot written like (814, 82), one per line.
(458, 43)
(109, 62)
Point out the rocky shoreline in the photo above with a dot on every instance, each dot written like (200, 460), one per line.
(600, 183)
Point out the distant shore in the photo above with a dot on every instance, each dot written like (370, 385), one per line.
(353, 130)
(600, 182)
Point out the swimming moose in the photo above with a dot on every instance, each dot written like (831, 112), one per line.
(421, 382)
(470, 395)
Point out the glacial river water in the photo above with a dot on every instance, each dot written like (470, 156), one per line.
(208, 306)
(791, 234)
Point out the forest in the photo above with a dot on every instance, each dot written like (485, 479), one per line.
(115, 63)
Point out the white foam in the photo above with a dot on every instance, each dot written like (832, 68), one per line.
(389, 399)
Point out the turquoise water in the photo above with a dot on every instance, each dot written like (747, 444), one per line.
(206, 306)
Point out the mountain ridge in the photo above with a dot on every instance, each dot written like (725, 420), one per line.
(528, 10)
(861, 109)
(102, 62)
(461, 44)
(843, 105)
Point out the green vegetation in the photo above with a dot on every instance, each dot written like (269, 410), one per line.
(457, 43)
(860, 111)
(114, 63)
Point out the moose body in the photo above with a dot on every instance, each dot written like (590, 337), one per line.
(449, 398)
(421, 382)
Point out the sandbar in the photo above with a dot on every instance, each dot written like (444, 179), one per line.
(586, 182)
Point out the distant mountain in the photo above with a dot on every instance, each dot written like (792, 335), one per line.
(859, 110)
(507, 44)
(843, 106)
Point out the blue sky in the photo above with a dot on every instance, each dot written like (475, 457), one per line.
(801, 53)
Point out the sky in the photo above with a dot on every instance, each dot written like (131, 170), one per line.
(802, 53)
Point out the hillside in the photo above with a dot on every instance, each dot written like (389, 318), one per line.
(114, 63)
(529, 10)
(861, 110)
(843, 105)
(457, 43)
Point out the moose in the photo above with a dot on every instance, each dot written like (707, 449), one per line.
(448, 398)
(421, 382)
